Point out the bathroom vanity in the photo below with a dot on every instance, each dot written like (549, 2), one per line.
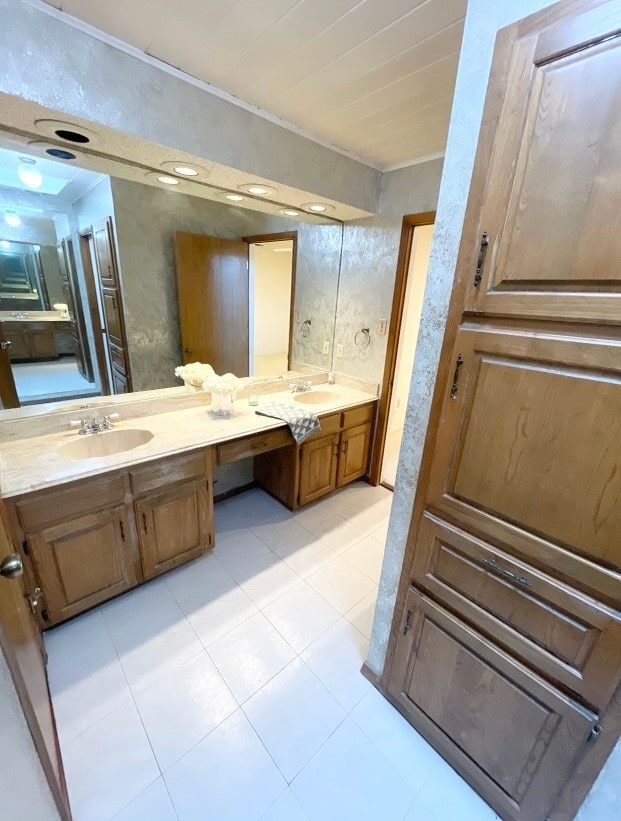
(96, 515)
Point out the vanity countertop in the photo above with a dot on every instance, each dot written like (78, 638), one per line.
(34, 463)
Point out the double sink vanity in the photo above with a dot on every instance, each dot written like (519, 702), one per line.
(94, 515)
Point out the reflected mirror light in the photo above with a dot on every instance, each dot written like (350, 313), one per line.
(28, 173)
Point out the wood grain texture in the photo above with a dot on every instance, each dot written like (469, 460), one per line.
(212, 292)
(95, 320)
(354, 449)
(318, 467)
(253, 445)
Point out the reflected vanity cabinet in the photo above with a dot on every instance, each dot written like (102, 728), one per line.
(91, 540)
(333, 457)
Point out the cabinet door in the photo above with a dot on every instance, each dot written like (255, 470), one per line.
(119, 382)
(510, 731)
(318, 462)
(83, 562)
(102, 235)
(354, 453)
(18, 344)
(174, 526)
(42, 344)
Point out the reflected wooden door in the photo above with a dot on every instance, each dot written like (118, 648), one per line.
(8, 391)
(212, 292)
(21, 642)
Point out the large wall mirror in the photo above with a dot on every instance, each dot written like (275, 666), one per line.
(129, 277)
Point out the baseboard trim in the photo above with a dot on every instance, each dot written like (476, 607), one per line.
(235, 491)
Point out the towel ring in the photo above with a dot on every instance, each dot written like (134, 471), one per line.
(305, 328)
(362, 338)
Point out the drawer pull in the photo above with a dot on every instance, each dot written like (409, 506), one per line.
(504, 572)
(144, 522)
(122, 529)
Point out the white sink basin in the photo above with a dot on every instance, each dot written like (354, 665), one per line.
(316, 397)
(107, 443)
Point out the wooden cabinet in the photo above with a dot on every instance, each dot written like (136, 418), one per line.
(505, 649)
(31, 340)
(518, 735)
(83, 561)
(318, 468)
(331, 458)
(173, 526)
(91, 540)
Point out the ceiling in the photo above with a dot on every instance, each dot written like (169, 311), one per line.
(374, 78)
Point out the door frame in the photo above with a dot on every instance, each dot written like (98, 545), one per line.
(86, 249)
(279, 237)
(408, 226)
(8, 391)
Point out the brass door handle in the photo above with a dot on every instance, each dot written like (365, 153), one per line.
(34, 599)
(12, 567)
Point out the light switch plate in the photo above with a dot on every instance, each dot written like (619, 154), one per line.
(326, 347)
(381, 327)
(339, 351)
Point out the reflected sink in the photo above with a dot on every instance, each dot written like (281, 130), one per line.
(106, 443)
(316, 397)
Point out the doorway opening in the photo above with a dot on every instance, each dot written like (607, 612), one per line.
(271, 280)
(411, 277)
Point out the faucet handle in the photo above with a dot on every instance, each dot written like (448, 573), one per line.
(77, 423)
(112, 417)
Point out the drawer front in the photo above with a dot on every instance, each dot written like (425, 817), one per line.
(358, 416)
(38, 510)
(491, 717)
(253, 445)
(167, 471)
(567, 635)
(329, 424)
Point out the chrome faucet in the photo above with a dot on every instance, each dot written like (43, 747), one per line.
(94, 425)
(300, 387)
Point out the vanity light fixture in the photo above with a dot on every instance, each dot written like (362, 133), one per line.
(60, 154)
(289, 212)
(167, 180)
(183, 168)
(186, 171)
(12, 219)
(234, 197)
(258, 189)
(28, 173)
(317, 207)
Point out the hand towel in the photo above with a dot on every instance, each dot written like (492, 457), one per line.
(302, 422)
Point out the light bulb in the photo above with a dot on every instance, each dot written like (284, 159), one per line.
(168, 180)
(28, 173)
(12, 219)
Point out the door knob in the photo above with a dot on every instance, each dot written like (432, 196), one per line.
(12, 567)
(5, 345)
(188, 350)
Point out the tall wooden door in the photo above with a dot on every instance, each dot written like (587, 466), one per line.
(212, 292)
(8, 391)
(21, 643)
(66, 261)
(112, 305)
(506, 643)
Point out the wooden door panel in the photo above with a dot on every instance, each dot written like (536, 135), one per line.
(173, 526)
(83, 561)
(213, 296)
(536, 426)
(112, 317)
(318, 465)
(104, 251)
(516, 734)
(354, 456)
(567, 636)
(554, 236)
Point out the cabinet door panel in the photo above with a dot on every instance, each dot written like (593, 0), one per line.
(83, 562)
(19, 347)
(529, 448)
(42, 345)
(173, 526)
(511, 731)
(318, 462)
(554, 236)
(354, 456)
(567, 636)
(105, 254)
(113, 318)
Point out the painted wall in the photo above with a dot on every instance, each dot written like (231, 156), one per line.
(71, 72)
(272, 300)
(24, 792)
(370, 250)
(484, 18)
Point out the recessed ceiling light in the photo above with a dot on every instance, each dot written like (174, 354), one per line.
(317, 207)
(60, 153)
(68, 132)
(186, 171)
(28, 173)
(4, 243)
(234, 197)
(167, 180)
(12, 219)
(289, 212)
(257, 189)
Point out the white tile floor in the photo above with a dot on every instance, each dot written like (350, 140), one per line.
(35, 381)
(231, 688)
